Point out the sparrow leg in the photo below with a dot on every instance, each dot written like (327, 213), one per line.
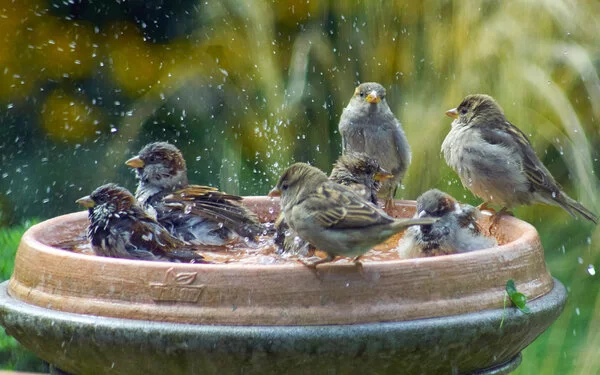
(389, 206)
(495, 219)
(312, 264)
(359, 266)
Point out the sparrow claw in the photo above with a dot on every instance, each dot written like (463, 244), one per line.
(312, 262)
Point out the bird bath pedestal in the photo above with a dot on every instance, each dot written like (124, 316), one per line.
(92, 315)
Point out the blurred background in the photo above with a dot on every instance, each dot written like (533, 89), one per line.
(246, 88)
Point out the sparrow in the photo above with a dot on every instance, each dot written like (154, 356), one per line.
(368, 125)
(331, 217)
(356, 170)
(457, 231)
(361, 173)
(120, 228)
(495, 160)
(201, 215)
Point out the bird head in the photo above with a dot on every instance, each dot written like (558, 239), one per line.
(160, 164)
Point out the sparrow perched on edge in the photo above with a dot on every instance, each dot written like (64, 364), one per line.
(356, 170)
(120, 228)
(332, 217)
(192, 213)
(368, 125)
(457, 231)
(495, 160)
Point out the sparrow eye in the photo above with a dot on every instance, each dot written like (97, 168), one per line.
(284, 187)
(463, 111)
(362, 94)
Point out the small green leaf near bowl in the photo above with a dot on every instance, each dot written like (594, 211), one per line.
(518, 298)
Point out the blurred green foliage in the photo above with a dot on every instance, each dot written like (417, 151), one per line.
(246, 88)
(13, 356)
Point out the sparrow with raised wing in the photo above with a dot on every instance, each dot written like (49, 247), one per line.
(193, 213)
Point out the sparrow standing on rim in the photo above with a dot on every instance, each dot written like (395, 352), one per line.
(332, 217)
(120, 228)
(495, 160)
(457, 231)
(368, 125)
(193, 213)
(356, 170)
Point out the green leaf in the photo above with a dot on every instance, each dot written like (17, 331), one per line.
(510, 287)
(517, 298)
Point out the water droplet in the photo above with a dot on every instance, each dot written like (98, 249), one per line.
(591, 270)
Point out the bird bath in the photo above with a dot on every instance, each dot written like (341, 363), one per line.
(89, 314)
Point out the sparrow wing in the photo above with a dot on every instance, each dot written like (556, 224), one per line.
(150, 237)
(336, 207)
(513, 138)
(215, 205)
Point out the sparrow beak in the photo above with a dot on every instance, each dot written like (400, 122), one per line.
(382, 176)
(135, 162)
(452, 113)
(373, 98)
(86, 201)
(274, 192)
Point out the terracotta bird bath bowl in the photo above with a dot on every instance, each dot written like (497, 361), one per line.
(260, 313)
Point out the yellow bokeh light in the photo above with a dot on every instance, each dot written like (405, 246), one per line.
(63, 49)
(65, 117)
(136, 64)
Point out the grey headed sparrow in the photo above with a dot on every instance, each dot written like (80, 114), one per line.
(495, 160)
(368, 125)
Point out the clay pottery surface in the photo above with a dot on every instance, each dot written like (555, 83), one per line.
(267, 317)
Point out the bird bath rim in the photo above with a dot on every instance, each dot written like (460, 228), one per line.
(287, 294)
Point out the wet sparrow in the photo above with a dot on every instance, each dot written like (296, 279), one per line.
(193, 213)
(495, 160)
(120, 228)
(368, 125)
(332, 217)
(457, 230)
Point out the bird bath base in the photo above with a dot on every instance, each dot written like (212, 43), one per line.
(85, 344)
